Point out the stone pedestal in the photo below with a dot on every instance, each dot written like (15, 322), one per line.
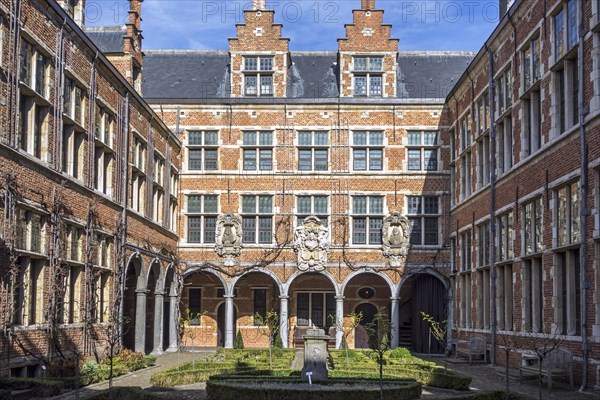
(315, 355)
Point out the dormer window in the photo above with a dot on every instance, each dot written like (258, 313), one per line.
(368, 80)
(258, 76)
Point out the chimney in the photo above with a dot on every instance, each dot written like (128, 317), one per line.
(259, 4)
(368, 4)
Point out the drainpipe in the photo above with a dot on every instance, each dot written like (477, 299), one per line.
(124, 216)
(585, 345)
(492, 231)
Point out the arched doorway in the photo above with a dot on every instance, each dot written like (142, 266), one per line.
(169, 330)
(134, 281)
(361, 335)
(152, 287)
(427, 293)
(221, 324)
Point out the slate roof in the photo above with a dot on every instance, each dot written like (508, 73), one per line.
(109, 39)
(185, 75)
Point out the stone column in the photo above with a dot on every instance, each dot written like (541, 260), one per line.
(140, 320)
(339, 317)
(395, 321)
(173, 342)
(284, 330)
(229, 334)
(158, 322)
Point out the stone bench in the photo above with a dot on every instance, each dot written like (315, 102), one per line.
(559, 362)
(475, 346)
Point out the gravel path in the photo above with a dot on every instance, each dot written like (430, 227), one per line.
(141, 379)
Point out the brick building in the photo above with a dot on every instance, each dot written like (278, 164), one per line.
(74, 239)
(314, 183)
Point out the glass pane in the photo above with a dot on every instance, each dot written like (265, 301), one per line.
(330, 309)
(414, 160)
(320, 204)
(249, 159)
(376, 138)
(359, 234)
(430, 160)
(194, 224)
(266, 64)
(210, 160)
(211, 204)
(430, 138)
(414, 138)
(375, 160)
(414, 204)
(194, 203)
(210, 226)
(360, 138)
(360, 159)
(304, 205)
(265, 230)
(195, 137)
(266, 138)
(304, 138)
(249, 138)
(376, 205)
(375, 225)
(302, 311)
(359, 205)
(575, 211)
(317, 311)
(249, 229)
(360, 85)
(321, 139)
(431, 205)
(431, 231)
(415, 230)
(305, 159)
(266, 160)
(251, 85)
(250, 63)
(573, 24)
(559, 34)
(376, 64)
(360, 63)
(266, 85)
(321, 160)
(375, 86)
(265, 204)
(211, 138)
(248, 204)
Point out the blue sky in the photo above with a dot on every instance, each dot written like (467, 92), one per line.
(310, 24)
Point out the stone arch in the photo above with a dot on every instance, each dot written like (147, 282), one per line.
(192, 270)
(386, 278)
(154, 308)
(280, 285)
(290, 281)
(155, 269)
(417, 272)
(137, 261)
(134, 303)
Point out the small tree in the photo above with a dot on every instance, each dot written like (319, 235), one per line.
(379, 341)
(347, 325)
(269, 327)
(509, 344)
(239, 341)
(439, 330)
(190, 333)
(541, 344)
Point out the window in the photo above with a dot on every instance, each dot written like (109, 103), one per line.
(202, 150)
(566, 29)
(532, 227)
(504, 145)
(73, 158)
(531, 64)
(422, 150)
(1, 42)
(72, 310)
(34, 69)
(465, 300)
(103, 251)
(258, 150)
(74, 102)
(504, 92)
(566, 95)
(103, 128)
(257, 219)
(312, 205)
(567, 310)
(483, 298)
(315, 308)
(533, 295)
(33, 130)
(138, 191)
(29, 307)
(465, 133)
(30, 231)
(483, 244)
(483, 113)
(103, 170)
(73, 235)
(367, 219)
(466, 240)
(202, 212)
(532, 122)
(568, 214)
(483, 160)
(195, 305)
(505, 298)
(139, 153)
(465, 157)
(259, 305)
(423, 216)
(258, 76)
(368, 80)
(505, 237)
(313, 152)
(368, 150)
(158, 190)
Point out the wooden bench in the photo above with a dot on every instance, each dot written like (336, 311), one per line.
(476, 346)
(559, 362)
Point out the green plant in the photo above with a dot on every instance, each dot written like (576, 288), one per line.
(379, 340)
(239, 341)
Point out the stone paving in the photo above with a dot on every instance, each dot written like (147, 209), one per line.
(141, 379)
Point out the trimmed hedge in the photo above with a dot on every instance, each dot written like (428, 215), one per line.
(40, 387)
(92, 372)
(491, 395)
(278, 390)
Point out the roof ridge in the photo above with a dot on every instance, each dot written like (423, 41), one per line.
(176, 51)
(108, 28)
(456, 53)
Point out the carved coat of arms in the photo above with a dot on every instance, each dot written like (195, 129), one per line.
(228, 240)
(311, 243)
(395, 235)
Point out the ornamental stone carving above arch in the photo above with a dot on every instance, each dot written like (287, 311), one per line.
(395, 237)
(228, 238)
(311, 244)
